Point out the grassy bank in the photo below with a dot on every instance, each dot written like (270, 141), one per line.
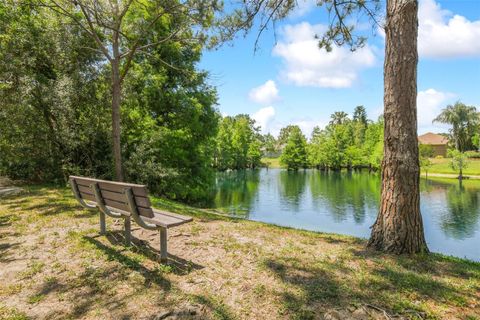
(440, 166)
(272, 162)
(53, 264)
(443, 166)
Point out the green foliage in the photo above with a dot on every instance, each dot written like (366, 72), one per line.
(425, 150)
(270, 145)
(294, 155)
(472, 154)
(465, 124)
(238, 143)
(285, 134)
(459, 161)
(426, 164)
(347, 144)
(55, 118)
(254, 154)
(170, 123)
(53, 100)
(360, 115)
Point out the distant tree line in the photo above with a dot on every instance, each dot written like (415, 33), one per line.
(343, 143)
(238, 143)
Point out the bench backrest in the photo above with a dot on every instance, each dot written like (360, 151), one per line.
(113, 194)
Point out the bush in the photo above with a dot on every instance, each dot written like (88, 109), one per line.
(472, 154)
(173, 165)
(439, 157)
(425, 150)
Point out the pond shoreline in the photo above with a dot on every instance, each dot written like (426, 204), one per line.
(347, 203)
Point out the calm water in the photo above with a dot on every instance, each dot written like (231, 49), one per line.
(347, 203)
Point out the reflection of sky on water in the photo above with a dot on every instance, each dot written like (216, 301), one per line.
(347, 203)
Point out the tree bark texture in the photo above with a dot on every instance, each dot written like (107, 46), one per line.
(399, 228)
(116, 131)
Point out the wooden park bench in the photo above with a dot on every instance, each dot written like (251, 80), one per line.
(125, 200)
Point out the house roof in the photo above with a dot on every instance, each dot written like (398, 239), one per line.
(432, 138)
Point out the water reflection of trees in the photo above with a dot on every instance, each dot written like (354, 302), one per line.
(344, 192)
(236, 191)
(292, 186)
(462, 217)
(341, 194)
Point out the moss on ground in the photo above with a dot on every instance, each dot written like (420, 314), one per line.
(54, 264)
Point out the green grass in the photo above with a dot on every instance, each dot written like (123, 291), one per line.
(443, 166)
(272, 162)
(11, 314)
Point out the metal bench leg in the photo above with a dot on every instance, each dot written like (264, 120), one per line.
(128, 232)
(163, 245)
(103, 225)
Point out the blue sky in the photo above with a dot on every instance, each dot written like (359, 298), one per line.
(290, 81)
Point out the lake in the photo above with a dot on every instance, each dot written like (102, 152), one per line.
(347, 203)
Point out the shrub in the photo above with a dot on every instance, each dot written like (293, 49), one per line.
(472, 154)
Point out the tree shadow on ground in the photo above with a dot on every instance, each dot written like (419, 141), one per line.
(92, 289)
(217, 308)
(150, 276)
(386, 283)
(101, 287)
(4, 251)
(429, 264)
(143, 247)
(51, 207)
(5, 221)
(308, 288)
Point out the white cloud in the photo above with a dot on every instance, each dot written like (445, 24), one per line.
(264, 118)
(442, 34)
(307, 125)
(429, 105)
(302, 8)
(307, 65)
(264, 94)
(445, 35)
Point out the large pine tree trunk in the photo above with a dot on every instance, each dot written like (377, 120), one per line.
(399, 228)
(116, 101)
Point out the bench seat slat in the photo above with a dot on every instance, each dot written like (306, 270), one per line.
(167, 221)
(171, 214)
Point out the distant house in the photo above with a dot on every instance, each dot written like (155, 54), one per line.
(437, 141)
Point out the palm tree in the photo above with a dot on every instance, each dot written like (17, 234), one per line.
(360, 115)
(339, 117)
(464, 120)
